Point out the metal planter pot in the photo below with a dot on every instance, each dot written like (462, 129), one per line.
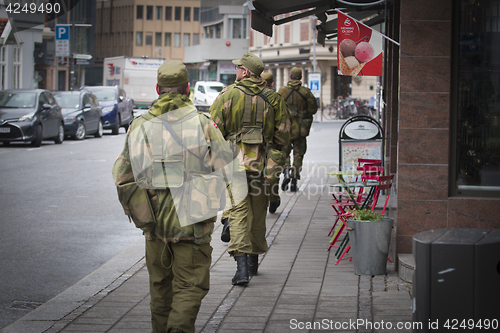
(370, 245)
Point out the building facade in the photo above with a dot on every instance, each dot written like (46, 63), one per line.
(153, 29)
(293, 44)
(225, 37)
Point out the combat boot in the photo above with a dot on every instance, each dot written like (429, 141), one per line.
(293, 186)
(286, 179)
(273, 206)
(253, 264)
(225, 235)
(241, 276)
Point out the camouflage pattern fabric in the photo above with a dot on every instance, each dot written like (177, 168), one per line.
(301, 124)
(150, 206)
(227, 113)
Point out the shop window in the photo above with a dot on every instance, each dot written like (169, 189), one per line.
(475, 143)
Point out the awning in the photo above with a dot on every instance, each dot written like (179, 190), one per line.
(265, 14)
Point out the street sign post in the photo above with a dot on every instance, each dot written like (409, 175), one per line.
(315, 84)
(62, 40)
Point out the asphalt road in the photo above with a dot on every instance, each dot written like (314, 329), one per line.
(60, 218)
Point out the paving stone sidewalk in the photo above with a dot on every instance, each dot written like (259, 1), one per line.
(298, 289)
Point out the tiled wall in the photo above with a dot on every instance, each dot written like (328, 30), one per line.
(424, 129)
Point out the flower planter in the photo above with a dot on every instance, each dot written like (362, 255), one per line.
(370, 245)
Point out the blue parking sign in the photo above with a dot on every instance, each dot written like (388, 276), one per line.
(62, 40)
(315, 84)
(62, 32)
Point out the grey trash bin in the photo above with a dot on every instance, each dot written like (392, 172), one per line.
(370, 245)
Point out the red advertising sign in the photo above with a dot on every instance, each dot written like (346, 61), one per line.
(359, 50)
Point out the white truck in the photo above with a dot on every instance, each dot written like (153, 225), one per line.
(135, 75)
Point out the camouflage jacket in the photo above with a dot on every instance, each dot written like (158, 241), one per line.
(227, 112)
(306, 109)
(153, 209)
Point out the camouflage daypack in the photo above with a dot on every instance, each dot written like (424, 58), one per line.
(253, 134)
(301, 120)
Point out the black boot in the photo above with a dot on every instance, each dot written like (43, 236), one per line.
(286, 179)
(253, 264)
(225, 236)
(293, 186)
(241, 276)
(273, 206)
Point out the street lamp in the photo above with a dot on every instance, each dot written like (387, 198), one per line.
(157, 49)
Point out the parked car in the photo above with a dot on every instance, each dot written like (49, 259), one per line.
(117, 108)
(205, 92)
(30, 116)
(82, 113)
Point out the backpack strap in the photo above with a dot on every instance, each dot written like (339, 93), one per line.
(247, 113)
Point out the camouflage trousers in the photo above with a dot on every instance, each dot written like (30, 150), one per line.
(299, 147)
(274, 191)
(247, 220)
(179, 278)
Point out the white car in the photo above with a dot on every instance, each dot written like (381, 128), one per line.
(205, 92)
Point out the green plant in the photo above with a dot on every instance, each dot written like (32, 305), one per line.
(365, 215)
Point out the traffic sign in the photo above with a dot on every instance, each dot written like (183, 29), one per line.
(62, 40)
(315, 84)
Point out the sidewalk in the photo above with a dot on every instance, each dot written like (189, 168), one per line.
(298, 289)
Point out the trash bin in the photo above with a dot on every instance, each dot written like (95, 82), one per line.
(370, 245)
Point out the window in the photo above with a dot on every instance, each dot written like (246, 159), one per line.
(186, 39)
(159, 11)
(168, 13)
(149, 12)
(168, 39)
(139, 12)
(187, 14)
(158, 39)
(138, 38)
(475, 138)
(178, 13)
(149, 39)
(238, 27)
(196, 14)
(177, 39)
(213, 31)
(196, 39)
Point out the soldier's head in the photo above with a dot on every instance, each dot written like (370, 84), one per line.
(268, 76)
(295, 73)
(172, 78)
(249, 65)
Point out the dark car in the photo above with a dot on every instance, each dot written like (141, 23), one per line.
(117, 108)
(82, 113)
(30, 116)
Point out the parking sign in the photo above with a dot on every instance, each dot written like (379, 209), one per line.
(62, 40)
(315, 84)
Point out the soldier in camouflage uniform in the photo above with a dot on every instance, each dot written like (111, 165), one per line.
(178, 254)
(254, 118)
(302, 106)
(274, 198)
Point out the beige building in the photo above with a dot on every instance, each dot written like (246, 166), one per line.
(293, 45)
(152, 28)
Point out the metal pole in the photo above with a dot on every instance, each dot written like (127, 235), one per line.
(57, 73)
(314, 43)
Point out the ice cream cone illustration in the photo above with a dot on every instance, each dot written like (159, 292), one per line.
(352, 57)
